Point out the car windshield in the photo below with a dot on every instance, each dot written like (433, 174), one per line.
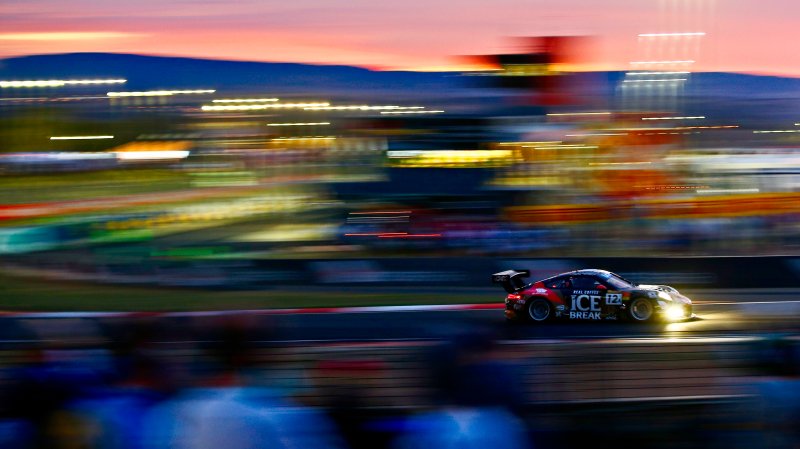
(615, 281)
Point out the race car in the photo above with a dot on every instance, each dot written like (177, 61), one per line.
(589, 294)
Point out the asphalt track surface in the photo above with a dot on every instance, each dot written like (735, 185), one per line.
(725, 315)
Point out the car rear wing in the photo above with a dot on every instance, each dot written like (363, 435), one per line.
(512, 280)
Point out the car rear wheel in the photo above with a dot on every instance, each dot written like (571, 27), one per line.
(641, 310)
(539, 310)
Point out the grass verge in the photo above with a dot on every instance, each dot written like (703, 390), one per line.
(29, 294)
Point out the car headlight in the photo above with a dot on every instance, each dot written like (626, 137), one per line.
(674, 312)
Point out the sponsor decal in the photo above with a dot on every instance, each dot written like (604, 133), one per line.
(585, 306)
(585, 315)
(541, 290)
(586, 292)
(614, 299)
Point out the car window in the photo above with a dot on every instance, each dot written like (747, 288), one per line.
(559, 283)
(584, 283)
(618, 283)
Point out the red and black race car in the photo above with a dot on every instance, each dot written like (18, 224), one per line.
(589, 295)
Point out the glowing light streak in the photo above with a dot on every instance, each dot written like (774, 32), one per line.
(619, 163)
(577, 114)
(657, 73)
(362, 107)
(259, 107)
(405, 236)
(283, 139)
(160, 93)
(58, 83)
(300, 124)
(151, 155)
(688, 117)
(673, 80)
(381, 212)
(411, 112)
(244, 100)
(707, 127)
(595, 134)
(80, 137)
(716, 191)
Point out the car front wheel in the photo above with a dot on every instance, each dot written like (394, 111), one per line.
(641, 310)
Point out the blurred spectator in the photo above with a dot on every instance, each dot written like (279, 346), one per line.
(111, 416)
(68, 361)
(474, 390)
(778, 393)
(223, 411)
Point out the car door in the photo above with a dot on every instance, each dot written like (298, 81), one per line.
(586, 298)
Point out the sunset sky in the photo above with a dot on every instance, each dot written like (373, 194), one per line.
(740, 35)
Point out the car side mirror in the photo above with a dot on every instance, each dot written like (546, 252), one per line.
(602, 287)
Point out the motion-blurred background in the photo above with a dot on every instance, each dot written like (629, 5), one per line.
(165, 166)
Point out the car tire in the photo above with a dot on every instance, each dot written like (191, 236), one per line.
(641, 310)
(540, 310)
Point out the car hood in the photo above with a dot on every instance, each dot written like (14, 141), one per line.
(660, 288)
(672, 292)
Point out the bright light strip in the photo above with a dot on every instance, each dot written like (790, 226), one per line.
(283, 139)
(151, 155)
(707, 127)
(715, 191)
(619, 163)
(259, 107)
(672, 34)
(362, 107)
(685, 61)
(58, 83)
(569, 114)
(778, 131)
(159, 93)
(300, 124)
(657, 73)
(60, 156)
(411, 112)
(80, 137)
(543, 142)
(108, 81)
(244, 100)
(690, 117)
(595, 134)
(563, 147)
(655, 81)
(456, 154)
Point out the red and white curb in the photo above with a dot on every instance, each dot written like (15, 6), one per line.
(292, 311)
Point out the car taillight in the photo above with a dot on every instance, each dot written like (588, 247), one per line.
(514, 296)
